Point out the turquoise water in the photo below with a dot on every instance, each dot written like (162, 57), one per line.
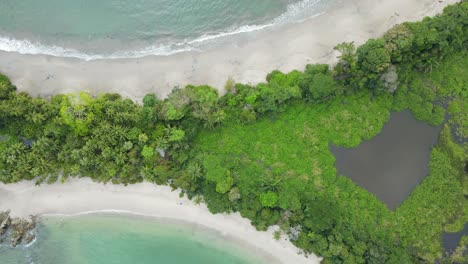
(123, 239)
(91, 29)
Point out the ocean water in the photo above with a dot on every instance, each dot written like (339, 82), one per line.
(91, 29)
(125, 239)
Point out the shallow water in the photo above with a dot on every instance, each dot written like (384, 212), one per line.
(394, 162)
(450, 240)
(110, 28)
(121, 238)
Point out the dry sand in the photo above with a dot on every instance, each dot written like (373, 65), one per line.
(247, 59)
(83, 195)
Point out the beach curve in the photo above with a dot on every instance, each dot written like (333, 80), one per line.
(83, 196)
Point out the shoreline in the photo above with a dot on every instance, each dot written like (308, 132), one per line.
(246, 59)
(200, 230)
(82, 195)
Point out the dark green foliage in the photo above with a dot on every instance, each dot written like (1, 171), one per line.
(318, 83)
(373, 57)
(279, 89)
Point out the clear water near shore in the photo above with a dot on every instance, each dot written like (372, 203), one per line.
(89, 29)
(121, 238)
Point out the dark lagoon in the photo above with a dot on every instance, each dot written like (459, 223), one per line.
(394, 162)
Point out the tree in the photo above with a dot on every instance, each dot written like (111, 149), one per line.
(269, 199)
(175, 106)
(346, 67)
(373, 57)
(147, 152)
(75, 111)
(150, 100)
(174, 134)
(224, 185)
(5, 87)
(279, 89)
(318, 83)
(399, 40)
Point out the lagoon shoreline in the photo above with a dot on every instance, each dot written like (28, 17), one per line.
(247, 58)
(83, 196)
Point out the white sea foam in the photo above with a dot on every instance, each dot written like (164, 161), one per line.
(32, 242)
(295, 12)
(28, 47)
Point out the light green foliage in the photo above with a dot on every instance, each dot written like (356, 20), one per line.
(454, 108)
(174, 134)
(75, 112)
(348, 52)
(269, 199)
(287, 163)
(215, 172)
(172, 113)
(279, 89)
(147, 152)
(142, 138)
(128, 145)
(224, 185)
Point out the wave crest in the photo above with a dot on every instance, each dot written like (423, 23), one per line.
(295, 12)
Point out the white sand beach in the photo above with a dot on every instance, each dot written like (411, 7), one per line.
(82, 195)
(247, 59)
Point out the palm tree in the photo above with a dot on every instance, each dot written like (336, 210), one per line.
(271, 183)
(162, 142)
(195, 170)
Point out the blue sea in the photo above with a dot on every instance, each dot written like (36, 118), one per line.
(90, 29)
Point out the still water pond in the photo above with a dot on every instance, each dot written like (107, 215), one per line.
(450, 241)
(394, 162)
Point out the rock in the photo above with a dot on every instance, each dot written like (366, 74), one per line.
(390, 79)
(19, 226)
(4, 215)
(22, 230)
(16, 239)
(5, 222)
(32, 223)
(29, 238)
(294, 232)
